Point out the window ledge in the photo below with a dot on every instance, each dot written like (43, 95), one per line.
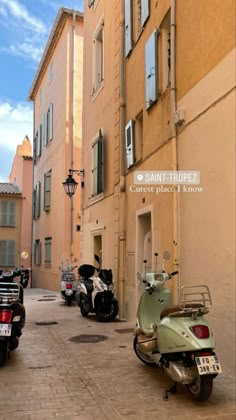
(96, 198)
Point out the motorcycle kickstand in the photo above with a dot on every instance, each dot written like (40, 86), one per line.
(171, 390)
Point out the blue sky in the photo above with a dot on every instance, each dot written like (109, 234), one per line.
(24, 29)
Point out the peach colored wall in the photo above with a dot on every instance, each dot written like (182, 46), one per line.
(22, 175)
(57, 155)
(101, 111)
(207, 219)
(205, 42)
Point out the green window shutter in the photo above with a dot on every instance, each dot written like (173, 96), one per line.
(48, 250)
(8, 213)
(100, 181)
(39, 141)
(144, 11)
(7, 253)
(35, 147)
(47, 191)
(95, 169)
(38, 200)
(151, 69)
(45, 129)
(128, 26)
(51, 122)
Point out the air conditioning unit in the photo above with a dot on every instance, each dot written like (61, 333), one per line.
(179, 116)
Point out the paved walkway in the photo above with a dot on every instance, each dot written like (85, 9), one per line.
(50, 376)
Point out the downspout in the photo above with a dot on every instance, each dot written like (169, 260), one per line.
(122, 238)
(176, 212)
(72, 133)
(32, 218)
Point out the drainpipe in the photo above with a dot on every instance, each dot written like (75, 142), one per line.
(72, 133)
(176, 213)
(122, 238)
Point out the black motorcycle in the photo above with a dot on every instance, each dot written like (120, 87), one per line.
(96, 294)
(12, 312)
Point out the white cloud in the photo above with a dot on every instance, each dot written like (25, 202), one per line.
(16, 121)
(25, 50)
(19, 12)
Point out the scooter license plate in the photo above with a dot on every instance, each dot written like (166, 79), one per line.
(208, 365)
(5, 330)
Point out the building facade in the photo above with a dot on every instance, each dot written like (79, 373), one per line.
(10, 225)
(22, 175)
(57, 95)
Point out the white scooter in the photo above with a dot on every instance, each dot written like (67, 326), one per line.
(68, 283)
(96, 293)
(177, 337)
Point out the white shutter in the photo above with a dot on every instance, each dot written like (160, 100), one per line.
(129, 143)
(144, 11)
(151, 69)
(128, 26)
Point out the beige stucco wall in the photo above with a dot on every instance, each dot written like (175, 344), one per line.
(207, 219)
(57, 155)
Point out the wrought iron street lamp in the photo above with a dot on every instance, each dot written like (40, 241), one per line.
(70, 185)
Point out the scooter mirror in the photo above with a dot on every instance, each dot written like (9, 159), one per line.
(166, 255)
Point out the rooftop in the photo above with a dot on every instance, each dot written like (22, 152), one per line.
(9, 188)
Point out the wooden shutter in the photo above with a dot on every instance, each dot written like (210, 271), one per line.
(7, 253)
(100, 181)
(144, 11)
(8, 213)
(95, 169)
(151, 69)
(129, 143)
(45, 129)
(47, 191)
(128, 26)
(38, 199)
(90, 2)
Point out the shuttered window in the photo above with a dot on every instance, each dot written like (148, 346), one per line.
(39, 140)
(151, 69)
(48, 251)
(48, 125)
(98, 56)
(8, 216)
(98, 165)
(37, 199)
(129, 140)
(7, 253)
(47, 191)
(128, 26)
(90, 2)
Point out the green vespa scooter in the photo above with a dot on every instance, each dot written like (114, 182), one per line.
(177, 337)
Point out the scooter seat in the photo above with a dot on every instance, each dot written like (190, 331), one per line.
(88, 284)
(185, 310)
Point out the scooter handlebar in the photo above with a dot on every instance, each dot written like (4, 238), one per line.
(174, 273)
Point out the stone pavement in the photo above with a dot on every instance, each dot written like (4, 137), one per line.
(50, 376)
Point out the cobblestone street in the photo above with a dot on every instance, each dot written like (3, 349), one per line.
(53, 376)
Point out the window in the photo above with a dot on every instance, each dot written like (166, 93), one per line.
(165, 32)
(48, 125)
(8, 213)
(151, 69)
(37, 252)
(98, 57)
(7, 253)
(90, 2)
(98, 165)
(129, 143)
(47, 191)
(37, 200)
(51, 72)
(48, 251)
(136, 15)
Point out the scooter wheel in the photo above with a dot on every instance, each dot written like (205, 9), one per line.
(144, 357)
(201, 388)
(109, 313)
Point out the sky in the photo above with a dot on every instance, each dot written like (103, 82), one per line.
(25, 26)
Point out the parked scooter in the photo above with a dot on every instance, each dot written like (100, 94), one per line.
(96, 294)
(177, 337)
(12, 313)
(68, 283)
(24, 276)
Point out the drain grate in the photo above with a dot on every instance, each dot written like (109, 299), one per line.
(46, 323)
(40, 367)
(45, 300)
(125, 330)
(50, 296)
(88, 338)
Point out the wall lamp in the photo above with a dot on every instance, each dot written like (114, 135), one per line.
(70, 185)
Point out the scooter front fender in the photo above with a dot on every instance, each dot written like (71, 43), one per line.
(175, 335)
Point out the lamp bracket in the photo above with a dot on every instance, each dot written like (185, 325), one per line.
(79, 172)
